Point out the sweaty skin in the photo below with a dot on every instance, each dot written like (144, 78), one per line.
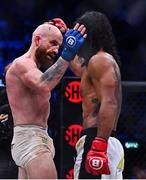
(29, 91)
(28, 88)
(101, 92)
(29, 97)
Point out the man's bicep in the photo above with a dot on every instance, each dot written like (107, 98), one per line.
(109, 84)
(31, 78)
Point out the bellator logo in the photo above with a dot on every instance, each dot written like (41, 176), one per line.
(72, 134)
(72, 92)
(96, 163)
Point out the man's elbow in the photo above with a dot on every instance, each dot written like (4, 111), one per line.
(112, 104)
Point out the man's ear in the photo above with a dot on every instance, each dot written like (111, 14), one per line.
(37, 40)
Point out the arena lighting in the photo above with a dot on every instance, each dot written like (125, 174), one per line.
(131, 145)
(1, 83)
(72, 92)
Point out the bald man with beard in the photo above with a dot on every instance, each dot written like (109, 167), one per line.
(29, 91)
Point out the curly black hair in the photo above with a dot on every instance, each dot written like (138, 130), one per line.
(99, 35)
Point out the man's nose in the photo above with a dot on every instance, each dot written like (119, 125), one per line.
(56, 49)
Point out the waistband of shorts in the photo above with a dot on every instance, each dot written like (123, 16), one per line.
(93, 132)
(29, 126)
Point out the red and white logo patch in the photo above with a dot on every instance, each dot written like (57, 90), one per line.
(95, 163)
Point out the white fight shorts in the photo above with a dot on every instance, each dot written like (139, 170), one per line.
(115, 153)
(30, 141)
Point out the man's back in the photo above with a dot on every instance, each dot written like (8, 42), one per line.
(98, 153)
(101, 103)
(101, 75)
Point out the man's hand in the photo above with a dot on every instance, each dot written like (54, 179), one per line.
(96, 160)
(73, 40)
(3, 118)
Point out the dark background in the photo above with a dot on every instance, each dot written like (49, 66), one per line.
(18, 19)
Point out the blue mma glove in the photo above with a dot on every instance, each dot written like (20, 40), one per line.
(73, 40)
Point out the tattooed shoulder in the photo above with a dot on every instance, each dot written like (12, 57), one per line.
(116, 74)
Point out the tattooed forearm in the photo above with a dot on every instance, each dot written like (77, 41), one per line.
(53, 74)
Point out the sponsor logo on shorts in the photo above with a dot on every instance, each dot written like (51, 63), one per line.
(44, 140)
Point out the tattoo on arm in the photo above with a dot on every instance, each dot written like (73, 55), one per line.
(55, 72)
(96, 107)
(118, 91)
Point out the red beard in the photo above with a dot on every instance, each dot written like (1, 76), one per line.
(44, 58)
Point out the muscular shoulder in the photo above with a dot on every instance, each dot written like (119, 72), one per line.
(22, 65)
(99, 64)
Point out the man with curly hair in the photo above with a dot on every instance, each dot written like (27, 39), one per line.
(99, 153)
